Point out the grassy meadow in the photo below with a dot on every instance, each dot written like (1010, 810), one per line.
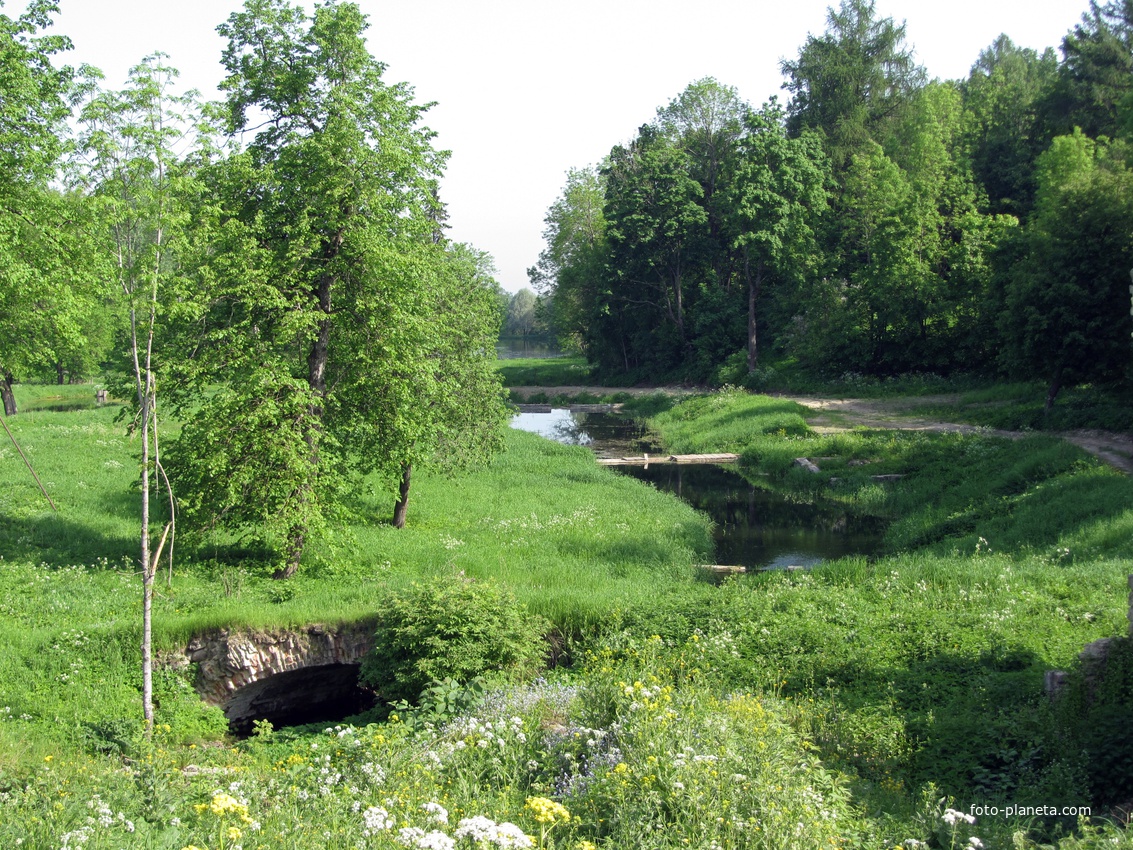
(862, 704)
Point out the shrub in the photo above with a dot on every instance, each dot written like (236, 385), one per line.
(451, 627)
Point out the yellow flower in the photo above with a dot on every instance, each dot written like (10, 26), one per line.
(234, 833)
(547, 811)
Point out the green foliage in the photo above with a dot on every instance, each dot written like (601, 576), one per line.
(1003, 99)
(1065, 312)
(441, 702)
(1092, 90)
(453, 628)
(852, 80)
(569, 272)
(348, 340)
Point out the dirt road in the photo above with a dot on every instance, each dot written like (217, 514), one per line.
(843, 414)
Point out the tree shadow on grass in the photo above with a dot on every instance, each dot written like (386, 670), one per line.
(981, 727)
(60, 538)
(61, 542)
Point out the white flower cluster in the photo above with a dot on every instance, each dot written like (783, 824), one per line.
(414, 836)
(506, 836)
(374, 772)
(585, 515)
(376, 819)
(953, 817)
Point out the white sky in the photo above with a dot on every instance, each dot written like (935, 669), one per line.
(526, 89)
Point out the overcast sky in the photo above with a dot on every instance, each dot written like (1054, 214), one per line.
(526, 89)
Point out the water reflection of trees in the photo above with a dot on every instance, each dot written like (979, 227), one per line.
(570, 428)
(760, 527)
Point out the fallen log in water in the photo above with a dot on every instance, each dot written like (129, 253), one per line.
(646, 459)
(736, 568)
(573, 408)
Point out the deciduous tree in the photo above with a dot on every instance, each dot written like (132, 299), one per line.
(129, 166)
(318, 307)
(1066, 305)
(777, 191)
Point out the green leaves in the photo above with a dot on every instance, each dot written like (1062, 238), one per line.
(1066, 315)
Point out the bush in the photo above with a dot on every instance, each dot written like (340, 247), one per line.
(451, 627)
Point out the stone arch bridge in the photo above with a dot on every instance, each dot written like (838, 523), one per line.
(285, 676)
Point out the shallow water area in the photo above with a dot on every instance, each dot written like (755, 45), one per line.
(512, 348)
(606, 434)
(754, 527)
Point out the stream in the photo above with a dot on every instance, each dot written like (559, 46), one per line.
(753, 527)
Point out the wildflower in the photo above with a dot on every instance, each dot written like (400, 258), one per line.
(508, 836)
(952, 817)
(409, 835)
(412, 836)
(376, 819)
(547, 811)
(437, 813)
(225, 804)
(974, 843)
(477, 828)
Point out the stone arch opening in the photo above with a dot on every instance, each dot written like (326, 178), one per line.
(305, 695)
(285, 676)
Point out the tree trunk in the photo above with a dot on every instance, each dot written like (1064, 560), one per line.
(147, 568)
(317, 381)
(753, 287)
(402, 505)
(296, 540)
(1052, 392)
(7, 395)
(60, 375)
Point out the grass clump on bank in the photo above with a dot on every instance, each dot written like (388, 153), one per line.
(1021, 407)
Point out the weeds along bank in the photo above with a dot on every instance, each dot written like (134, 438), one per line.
(849, 707)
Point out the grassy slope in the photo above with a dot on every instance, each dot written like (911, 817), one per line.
(576, 542)
(927, 666)
(922, 671)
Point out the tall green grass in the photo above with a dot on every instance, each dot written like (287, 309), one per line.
(544, 371)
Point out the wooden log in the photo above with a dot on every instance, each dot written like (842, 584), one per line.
(594, 408)
(645, 460)
(738, 568)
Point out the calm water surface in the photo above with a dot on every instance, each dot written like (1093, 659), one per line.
(515, 347)
(754, 527)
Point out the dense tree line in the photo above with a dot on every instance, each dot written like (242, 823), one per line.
(878, 223)
(272, 270)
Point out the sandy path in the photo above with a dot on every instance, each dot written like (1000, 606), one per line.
(843, 414)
